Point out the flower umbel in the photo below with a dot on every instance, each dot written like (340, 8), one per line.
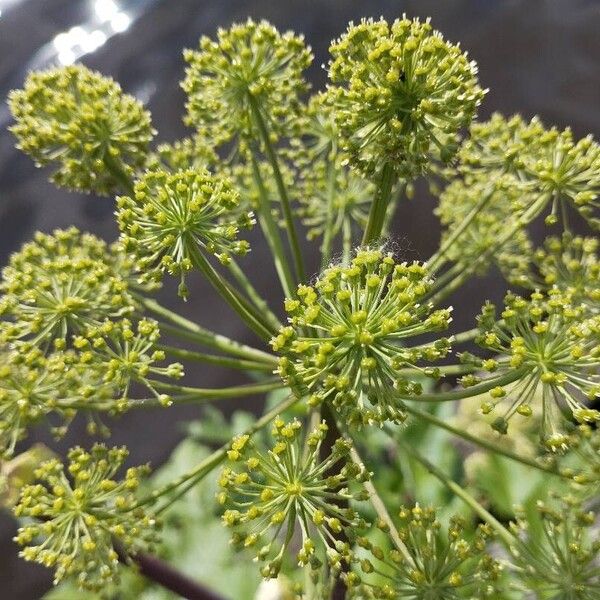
(291, 488)
(347, 342)
(173, 216)
(77, 517)
(84, 124)
(564, 562)
(549, 344)
(400, 95)
(434, 566)
(250, 67)
(59, 285)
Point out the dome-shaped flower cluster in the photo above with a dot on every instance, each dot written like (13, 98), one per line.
(432, 566)
(349, 334)
(480, 238)
(563, 562)
(292, 489)
(549, 349)
(551, 168)
(174, 216)
(569, 263)
(400, 95)
(250, 67)
(84, 125)
(59, 285)
(77, 519)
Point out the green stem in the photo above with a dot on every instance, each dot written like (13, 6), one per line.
(502, 531)
(118, 173)
(443, 370)
(347, 241)
(465, 336)
(328, 233)
(474, 390)
(271, 233)
(190, 479)
(254, 320)
(285, 201)
(236, 391)
(477, 441)
(212, 359)
(189, 330)
(253, 295)
(380, 205)
(438, 259)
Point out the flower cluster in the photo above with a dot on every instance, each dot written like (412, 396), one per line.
(291, 488)
(76, 519)
(582, 462)
(569, 263)
(495, 204)
(59, 285)
(550, 348)
(121, 354)
(429, 566)
(564, 561)
(251, 73)
(347, 342)
(400, 95)
(84, 125)
(174, 216)
(548, 165)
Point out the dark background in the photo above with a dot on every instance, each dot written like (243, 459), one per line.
(536, 56)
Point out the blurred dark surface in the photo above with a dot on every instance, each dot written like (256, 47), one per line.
(536, 56)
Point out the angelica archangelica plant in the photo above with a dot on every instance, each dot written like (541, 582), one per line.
(82, 122)
(292, 489)
(81, 515)
(431, 566)
(366, 361)
(546, 343)
(348, 341)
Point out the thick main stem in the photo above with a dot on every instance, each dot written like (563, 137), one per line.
(380, 205)
(281, 188)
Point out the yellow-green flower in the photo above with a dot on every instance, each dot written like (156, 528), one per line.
(83, 124)
(400, 95)
(78, 511)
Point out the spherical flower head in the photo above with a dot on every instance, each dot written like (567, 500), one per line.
(548, 349)
(121, 353)
(78, 511)
(480, 239)
(400, 94)
(58, 285)
(569, 263)
(563, 560)
(291, 489)
(174, 216)
(349, 336)
(433, 565)
(82, 124)
(553, 169)
(249, 67)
